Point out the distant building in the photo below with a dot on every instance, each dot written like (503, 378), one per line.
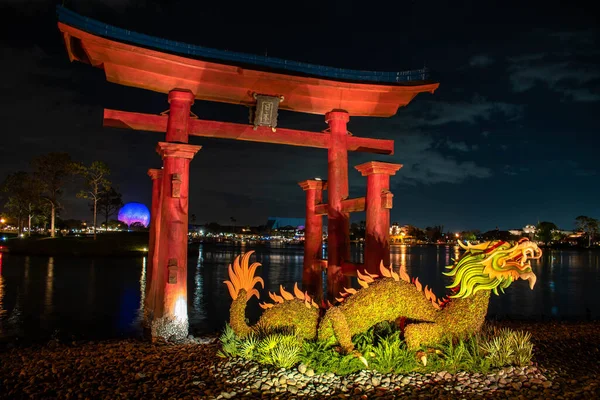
(283, 222)
(527, 230)
(497, 235)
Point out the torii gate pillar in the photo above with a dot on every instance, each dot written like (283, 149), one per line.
(313, 235)
(150, 297)
(338, 226)
(170, 317)
(378, 204)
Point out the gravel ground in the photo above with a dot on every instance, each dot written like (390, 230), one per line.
(566, 365)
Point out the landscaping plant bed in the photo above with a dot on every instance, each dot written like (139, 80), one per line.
(565, 361)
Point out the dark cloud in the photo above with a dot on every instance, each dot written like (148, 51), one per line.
(470, 112)
(460, 146)
(570, 70)
(582, 95)
(556, 75)
(425, 163)
(481, 60)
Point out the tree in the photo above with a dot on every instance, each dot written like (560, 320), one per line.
(588, 225)
(110, 202)
(114, 224)
(52, 171)
(137, 227)
(469, 236)
(71, 224)
(213, 227)
(416, 233)
(23, 194)
(434, 233)
(96, 182)
(545, 231)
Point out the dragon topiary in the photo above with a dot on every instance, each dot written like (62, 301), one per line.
(482, 269)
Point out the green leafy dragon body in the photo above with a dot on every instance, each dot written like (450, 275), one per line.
(482, 269)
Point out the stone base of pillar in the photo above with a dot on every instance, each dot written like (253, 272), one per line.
(170, 329)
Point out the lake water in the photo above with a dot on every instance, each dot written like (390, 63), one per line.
(101, 298)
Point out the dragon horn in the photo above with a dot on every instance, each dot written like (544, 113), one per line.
(251, 293)
(403, 275)
(371, 275)
(418, 284)
(298, 292)
(233, 278)
(367, 278)
(363, 283)
(286, 295)
(384, 271)
(276, 298)
(232, 291)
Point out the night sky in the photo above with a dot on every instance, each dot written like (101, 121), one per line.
(509, 138)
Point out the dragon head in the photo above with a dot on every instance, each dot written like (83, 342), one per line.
(491, 266)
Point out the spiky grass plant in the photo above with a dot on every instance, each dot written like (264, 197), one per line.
(461, 355)
(455, 355)
(523, 348)
(248, 347)
(279, 349)
(508, 347)
(392, 355)
(322, 358)
(230, 343)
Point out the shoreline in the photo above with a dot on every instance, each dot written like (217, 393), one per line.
(565, 365)
(135, 245)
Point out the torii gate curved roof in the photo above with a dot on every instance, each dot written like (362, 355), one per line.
(231, 77)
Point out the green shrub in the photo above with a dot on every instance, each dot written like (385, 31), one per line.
(392, 355)
(322, 357)
(523, 347)
(230, 343)
(383, 349)
(279, 349)
(462, 355)
(508, 347)
(248, 347)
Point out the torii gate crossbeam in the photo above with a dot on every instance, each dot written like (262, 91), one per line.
(228, 130)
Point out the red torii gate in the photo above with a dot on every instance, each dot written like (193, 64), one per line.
(187, 79)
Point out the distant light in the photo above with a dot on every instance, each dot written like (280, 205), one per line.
(4, 238)
(21, 235)
(145, 249)
(456, 234)
(2, 220)
(318, 179)
(134, 212)
(201, 232)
